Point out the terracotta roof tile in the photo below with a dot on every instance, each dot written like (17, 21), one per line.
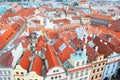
(52, 34)
(50, 57)
(37, 65)
(65, 21)
(100, 16)
(41, 43)
(71, 12)
(6, 59)
(75, 18)
(63, 49)
(102, 47)
(25, 12)
(25, 62)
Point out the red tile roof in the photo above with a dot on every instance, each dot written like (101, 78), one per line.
(6, 59)
(41, 43)
(52, 34)
(68, 27)
(65, 53)
(25, 12)
(102, 47)
(68, 35)
(37, 65)
(25, 62)
(75, 18)
(65, 21)
(91, 53)
(71, 12)
(6, 37)
(101, 16)
(50, 57)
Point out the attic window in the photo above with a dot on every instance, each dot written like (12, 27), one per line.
(62, 47)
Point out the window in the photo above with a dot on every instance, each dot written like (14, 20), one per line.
(36, 79)
(100, 75)
(57, 70)
(77, 63)
(8, 78)
(83, 62)
(81, 73)
(52, 78)
(103, 63)
(98, 70)
(17, 72)
(86, 72)
(86, 78)
(101, 69)
(53, 71)
(95, 65)
(5, 78)
(55, 77)
(21, 72)
(0, 72)
(77, 74)
(59, 76)
(96, 76)
(99, 64)
(71, 75)
(92, 78)
(94, 71)
(18, 78)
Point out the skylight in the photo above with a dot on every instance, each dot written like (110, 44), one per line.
(62, 47)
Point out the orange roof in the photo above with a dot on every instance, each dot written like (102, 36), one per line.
(25, 62)
(91, 29)
(50, 57)
(69, 35)
(64, 49)
(83, 0)
(6, 59)
(36, 29)
(71, 12)
(65, 21)
(52, 34)
(102, 48)
(37, 65)
(41, 43)
(101, 16)
(91, 53)
(76, 18)
(25, 12)
(16, 27)
(68, 27)
(16, 7)
(6, 37)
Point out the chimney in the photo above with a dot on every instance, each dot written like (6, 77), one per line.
(86, 40)
(101, 40)
(96, 48)
(109, 39)
(105, 43)
(84, 49)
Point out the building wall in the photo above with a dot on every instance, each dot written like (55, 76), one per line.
(19, 73)
(99, 22)
(85, 20)
(56, 73)
(6, 73)
(98, 68)
(17, 53)
(33, 76)
(112, 65)
(79, 74)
